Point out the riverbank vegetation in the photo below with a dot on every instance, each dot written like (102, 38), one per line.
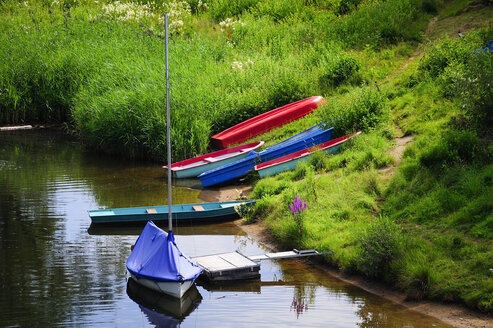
(422, 221)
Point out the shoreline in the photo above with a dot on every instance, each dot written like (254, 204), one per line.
(452, 314)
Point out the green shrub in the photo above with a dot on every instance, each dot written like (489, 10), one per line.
(431, 6)
(421, 279)
(378, 24)
(319, 161)
(476, 91)
(380, 245)
(454, 147)
(338, 69)
(221, 9)
(277, 9)
(448, 52)
(301, 171)
(364, 110)
(346, 6)
(269, 187)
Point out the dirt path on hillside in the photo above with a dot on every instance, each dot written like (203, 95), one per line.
(397, 153)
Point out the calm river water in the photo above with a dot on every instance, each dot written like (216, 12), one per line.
(57, 270)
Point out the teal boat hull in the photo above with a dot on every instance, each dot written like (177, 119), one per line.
(290, 161)
(291, 165)
(198, 212)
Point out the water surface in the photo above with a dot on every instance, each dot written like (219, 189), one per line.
(57, 270)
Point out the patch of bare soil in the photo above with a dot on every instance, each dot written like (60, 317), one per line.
(397, 152)
(226, 193)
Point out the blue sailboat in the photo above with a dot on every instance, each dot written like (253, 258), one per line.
(157, 263)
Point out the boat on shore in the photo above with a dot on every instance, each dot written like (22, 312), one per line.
(266, 121)
(197, 212)
(315, 135)
(156, 263)
(290, 161)
(193, 167)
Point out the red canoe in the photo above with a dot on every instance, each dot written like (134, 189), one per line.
(265, 122)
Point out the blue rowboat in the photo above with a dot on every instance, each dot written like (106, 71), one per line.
(199, 212)
(193, 167)
(289, 162)
(305, 139)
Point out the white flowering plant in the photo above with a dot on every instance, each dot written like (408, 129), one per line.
(240, 66)
(229, 25)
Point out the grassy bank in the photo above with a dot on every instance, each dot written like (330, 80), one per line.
(424, 227)
(389, 68)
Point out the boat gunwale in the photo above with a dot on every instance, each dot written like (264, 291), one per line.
(179, 166)
(316, 130)
(222, 137)
(305, 152)
(247, 201)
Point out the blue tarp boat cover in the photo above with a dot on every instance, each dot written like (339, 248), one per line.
(156, 257)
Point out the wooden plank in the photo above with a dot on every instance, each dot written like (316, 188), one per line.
(287, 254)
(198, 208)
(214, 263)
(258, 257)
(280, 255)
(238, 260)
(151, 211)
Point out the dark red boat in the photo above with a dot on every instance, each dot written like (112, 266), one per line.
(266, 121)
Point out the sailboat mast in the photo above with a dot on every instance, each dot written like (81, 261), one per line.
(168, 128)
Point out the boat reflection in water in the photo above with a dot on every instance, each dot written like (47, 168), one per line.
(160, 309)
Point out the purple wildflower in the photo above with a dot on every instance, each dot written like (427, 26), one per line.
(297, 208)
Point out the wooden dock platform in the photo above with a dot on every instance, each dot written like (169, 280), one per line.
(228, 266)
(236, 266)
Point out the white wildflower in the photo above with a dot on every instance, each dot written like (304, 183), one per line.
(178, 13)
(202, 6)
(237, 65)
(229, 24)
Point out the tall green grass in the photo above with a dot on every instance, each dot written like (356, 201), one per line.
(102, 71)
